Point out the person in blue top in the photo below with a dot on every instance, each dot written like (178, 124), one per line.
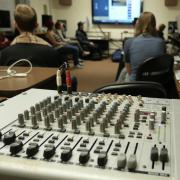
(145, 44)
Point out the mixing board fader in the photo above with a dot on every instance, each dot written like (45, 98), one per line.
(93, 136)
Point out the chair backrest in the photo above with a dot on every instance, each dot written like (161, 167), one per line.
(159, 69)
(143, 88)
(39, 55)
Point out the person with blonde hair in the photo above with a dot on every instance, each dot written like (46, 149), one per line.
(145, 44)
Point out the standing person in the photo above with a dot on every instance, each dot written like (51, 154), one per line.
(145, 44)
(61, 46)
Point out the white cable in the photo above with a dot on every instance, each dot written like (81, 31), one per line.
(12, 73)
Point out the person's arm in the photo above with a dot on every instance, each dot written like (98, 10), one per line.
(128, 68)
(52, 40)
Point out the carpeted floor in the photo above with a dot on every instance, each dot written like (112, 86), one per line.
(95, 74)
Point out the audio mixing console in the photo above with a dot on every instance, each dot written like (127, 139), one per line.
(85, 136)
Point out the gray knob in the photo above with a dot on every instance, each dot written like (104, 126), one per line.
(74, 123)
(38, 116)
(37, 107)
(34, 122)
(49, 108)
(88, 125)
(121, 162)
(64, 117)
(42, 105)
(47, 123)
(61, 110)
(44, 111)
(116, 128)
(91, 119)
(26, 115)
(32, 110)
(49, 100)
(21, 120)
(69, 114)
(151, 124)
(136, 115)
(78, 119)
(132, 162)
(163, 117)
(102, 127)
(56, 113)
(51, 117)
(60, 123)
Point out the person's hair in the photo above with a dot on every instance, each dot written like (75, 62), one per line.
(25, 17)
(162, 27)
(57, 24)
(146, 24)
(49, 25)
(80, 24)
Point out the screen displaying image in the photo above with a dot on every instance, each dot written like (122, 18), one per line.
(5, 21)
(116, 11)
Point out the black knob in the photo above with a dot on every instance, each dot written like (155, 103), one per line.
(164, 155)
(66, 154)
(49, 152)
(84, 157)
(0, 135)
(102, 159)
(32, 149)
(16, 147)
(154, 154)
(9, 138)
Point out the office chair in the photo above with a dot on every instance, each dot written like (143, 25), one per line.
(143, 88)
(159, 69)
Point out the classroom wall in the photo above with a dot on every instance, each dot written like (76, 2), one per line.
(7, 5)
(81, 10)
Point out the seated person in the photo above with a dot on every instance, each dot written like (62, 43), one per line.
(4, 42)
(160, 30)
(60, 31)
(82, 38)
(61, 46)
(144, 45)
(29, 46)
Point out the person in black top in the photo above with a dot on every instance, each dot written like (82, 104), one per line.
(85, 43)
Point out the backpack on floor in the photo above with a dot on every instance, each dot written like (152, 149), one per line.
(117, 55)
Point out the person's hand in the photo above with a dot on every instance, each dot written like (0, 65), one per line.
(91, 43)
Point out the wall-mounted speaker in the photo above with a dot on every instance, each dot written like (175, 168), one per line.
(65, 2)
(171, 2)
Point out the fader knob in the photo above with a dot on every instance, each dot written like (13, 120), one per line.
(132, 162)
(84, 157)
(16, 147)
(26, 115)
(32, 149)
(164, 155)
(154, 154)
(49, 152)
(121, 162)
(21, 120)
(9, 138)
(66, 154)
(102, 159)
(34, 122)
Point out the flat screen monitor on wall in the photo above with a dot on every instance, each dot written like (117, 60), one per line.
(115, 11)
(5, 21)
(45, 19)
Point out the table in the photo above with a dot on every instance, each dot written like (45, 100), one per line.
(39, 77)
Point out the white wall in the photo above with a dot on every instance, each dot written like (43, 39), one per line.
(38, 5)
(81, 9)
(7, 5)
